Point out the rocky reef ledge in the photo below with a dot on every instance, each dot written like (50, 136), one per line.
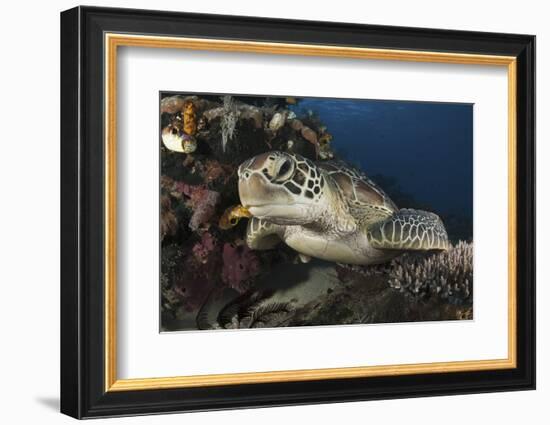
(411, 288)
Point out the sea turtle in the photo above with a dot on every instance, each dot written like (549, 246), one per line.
(329, 210)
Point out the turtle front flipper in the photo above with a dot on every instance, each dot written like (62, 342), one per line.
(261, 234)
(409, 229)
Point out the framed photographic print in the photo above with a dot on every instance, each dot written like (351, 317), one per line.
(261, 212)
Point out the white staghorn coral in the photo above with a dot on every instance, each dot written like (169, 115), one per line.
(229, 120)
(448, 274)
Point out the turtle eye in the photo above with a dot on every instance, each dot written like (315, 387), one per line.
(285, 171)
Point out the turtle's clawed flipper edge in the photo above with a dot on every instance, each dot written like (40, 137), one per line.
(261, 234)
(409, 229)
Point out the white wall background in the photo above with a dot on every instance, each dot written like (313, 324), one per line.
(29, 213)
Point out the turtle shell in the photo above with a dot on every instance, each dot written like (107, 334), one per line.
(356, 187)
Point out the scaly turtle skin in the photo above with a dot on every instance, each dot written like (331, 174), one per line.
(330, 211)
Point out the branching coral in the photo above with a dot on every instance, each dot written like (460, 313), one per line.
(229, 120)
(448, 274)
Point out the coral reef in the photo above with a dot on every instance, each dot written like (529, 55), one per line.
(229, 120)
(202, 253)
(310, 135)
(205, 248)
(205, 265)
(201, 201)
(203, 209)
(172, 104)
(325, 150)
(277, 121)
(448, 274)
(296, 124)
(168, 220)
(240, 264)
(175, 139)
(190, 118)
(322, 294)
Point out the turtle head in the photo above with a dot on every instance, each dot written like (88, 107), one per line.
(281, 188)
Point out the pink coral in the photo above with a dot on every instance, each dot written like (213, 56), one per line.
(205, 248)
(196, 281)
(240, 264)
(187, 189)
(213, 171)
(202, 201)
(199, 272)
(204, 210)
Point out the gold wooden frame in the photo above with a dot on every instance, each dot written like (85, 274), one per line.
(113, 41)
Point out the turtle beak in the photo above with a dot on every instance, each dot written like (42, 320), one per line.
(255, 191)
(250, 185)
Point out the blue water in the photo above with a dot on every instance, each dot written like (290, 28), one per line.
(427, 148)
